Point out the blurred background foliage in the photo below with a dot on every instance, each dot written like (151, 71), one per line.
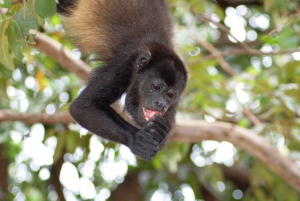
(65, 162)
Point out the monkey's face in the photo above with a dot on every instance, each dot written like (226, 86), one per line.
(156, 86)
(150, 95)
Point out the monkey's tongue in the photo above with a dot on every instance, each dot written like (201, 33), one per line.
(149, 114)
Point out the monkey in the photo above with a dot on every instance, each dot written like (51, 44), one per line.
(133, 39)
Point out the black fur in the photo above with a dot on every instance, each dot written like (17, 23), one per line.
(64, 6)
(139, 60)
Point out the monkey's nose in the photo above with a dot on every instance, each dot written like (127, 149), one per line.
(159, 104)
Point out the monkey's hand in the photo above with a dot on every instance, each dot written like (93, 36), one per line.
(147, 141)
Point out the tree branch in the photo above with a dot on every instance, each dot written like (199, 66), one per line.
(4, 163)
(223, 64)
(223, 28)
(55, 172)
(32, 118)
(249, 141)
(194, 132)
(227, 68)
(60, 53)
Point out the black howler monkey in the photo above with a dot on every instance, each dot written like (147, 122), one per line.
(134, 40)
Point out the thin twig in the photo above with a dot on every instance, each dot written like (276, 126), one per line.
(244, 52)
(227, 68)
(216, 54)
(225, 29)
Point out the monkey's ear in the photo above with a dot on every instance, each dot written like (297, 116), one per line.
(143, 59)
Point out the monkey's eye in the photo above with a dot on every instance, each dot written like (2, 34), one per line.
(156, 87)
(170, 94)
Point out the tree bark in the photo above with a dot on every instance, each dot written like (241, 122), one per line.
(130, 189)
(3, 173)
(56, 168)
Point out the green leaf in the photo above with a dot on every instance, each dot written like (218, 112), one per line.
(7, 3)
(4, 136)
(287, 39)
(31, 39)
(294, 145)
(5, 59)
(59, 150)
(15, 39)
(26, 21)
(73, 140)
(45, 8)
(259, 194)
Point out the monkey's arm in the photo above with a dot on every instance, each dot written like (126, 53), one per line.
(91, 108)
(92, 111)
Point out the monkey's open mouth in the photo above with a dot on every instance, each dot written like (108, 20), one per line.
(149, 114)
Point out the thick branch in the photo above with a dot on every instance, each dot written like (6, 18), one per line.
(197, 131)
(259, 147)
(32, 118)
(63, 56)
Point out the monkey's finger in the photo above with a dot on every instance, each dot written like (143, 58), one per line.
(146, 153)
(152, 125)
(157, 132)
(159, 120)
(157, 136)
(148, 140)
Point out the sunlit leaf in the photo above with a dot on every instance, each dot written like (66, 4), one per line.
(5, 58)
(40, 77)
(268, 4)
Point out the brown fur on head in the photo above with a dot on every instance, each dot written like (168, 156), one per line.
(90, 35)
(101, 26)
